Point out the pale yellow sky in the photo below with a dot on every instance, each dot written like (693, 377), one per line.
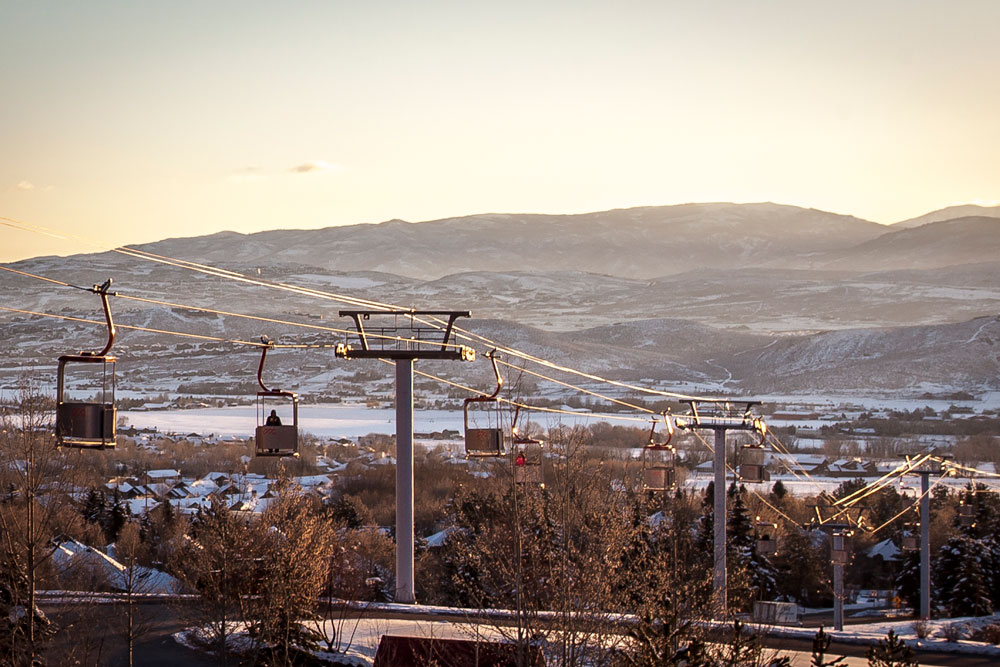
(129, 122)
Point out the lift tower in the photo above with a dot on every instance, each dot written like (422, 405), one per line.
(931, 466)
(403, 337)
(720, 417)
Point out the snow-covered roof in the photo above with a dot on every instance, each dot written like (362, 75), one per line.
(139, 506)
(163, 474)
(310, 481)
(438, 539)
(886, 550)
(202, 487)
(801, 459)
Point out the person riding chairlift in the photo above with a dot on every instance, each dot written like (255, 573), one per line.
(520, 460)
(273, 419)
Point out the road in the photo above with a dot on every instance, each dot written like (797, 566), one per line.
(93, 638)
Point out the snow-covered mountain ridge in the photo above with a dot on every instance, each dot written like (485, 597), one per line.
(850, 306)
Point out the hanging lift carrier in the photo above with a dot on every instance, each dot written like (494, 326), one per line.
(274, 439)
(752, 468)
(89, 424)
(527, 454)
(659, 472)
(484, 436)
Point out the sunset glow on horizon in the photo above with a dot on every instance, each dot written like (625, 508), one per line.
(131, 122)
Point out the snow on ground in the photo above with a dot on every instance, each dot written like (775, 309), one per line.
(869, 633)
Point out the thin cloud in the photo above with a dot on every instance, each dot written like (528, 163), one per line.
(254, 174)
(24, 186)
(312, 167)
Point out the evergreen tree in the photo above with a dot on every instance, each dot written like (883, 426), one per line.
(849, 487)
(705, 533)
(961, 578)
(167, 514)
(739, 527)
(95, 507)
(821, 644)
(891, 652)
(778, 491)
(753, 577)
(115, 517)
(939, 498)
(908, 579)
(345, 510)
(804, 570)
(991, 563)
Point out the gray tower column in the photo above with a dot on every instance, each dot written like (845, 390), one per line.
(404, 481)
(838, 596)
(925, 546)
(719, 575)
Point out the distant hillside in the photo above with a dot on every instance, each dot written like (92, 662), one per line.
(966, 354)
(629, 243)
(725, 297)
(931, 246)
(949, 213)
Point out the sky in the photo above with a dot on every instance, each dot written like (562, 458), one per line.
(130, 121)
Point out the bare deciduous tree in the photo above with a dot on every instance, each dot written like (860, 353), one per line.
(35, 479)
(134, 581)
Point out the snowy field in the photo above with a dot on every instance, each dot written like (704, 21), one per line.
(325, 420)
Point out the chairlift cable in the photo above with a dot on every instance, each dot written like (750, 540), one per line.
(883, 481)
(313, 326)
(777, 444)
(204, 309)
(964, 468)
(217, 339)
(580, 389)
(911, 506)
(470, 336)
(525, 406)
(222, 273)
(877, 486)
(48, 280)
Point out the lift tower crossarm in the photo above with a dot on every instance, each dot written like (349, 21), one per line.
(420, 349)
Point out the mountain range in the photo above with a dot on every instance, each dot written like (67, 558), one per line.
(735, 297)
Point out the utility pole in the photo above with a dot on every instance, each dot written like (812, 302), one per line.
(721, 419)
(403, 343)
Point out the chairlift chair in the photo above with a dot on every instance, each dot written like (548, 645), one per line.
(911, 537)
(484, 436)
(527, 454)
(966, 515)
(272, 437)
(659, 472)
(767, 543)
(752, 457)
(89, 424)
(839, 553)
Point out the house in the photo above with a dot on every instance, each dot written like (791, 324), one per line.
(163, 476)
